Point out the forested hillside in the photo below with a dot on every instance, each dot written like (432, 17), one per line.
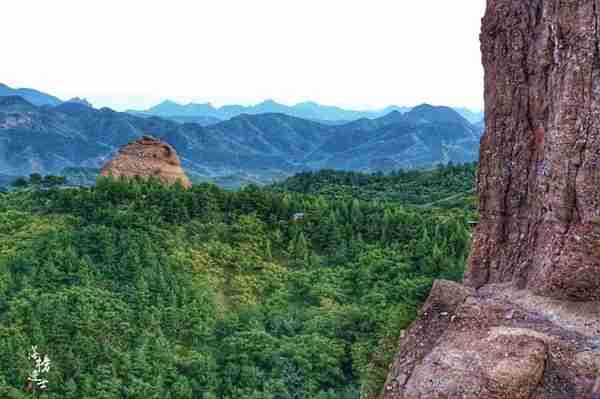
(135, 290)
(449, 186)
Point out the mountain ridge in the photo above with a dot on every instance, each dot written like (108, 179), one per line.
(206, 113)
(49, 139)
(306, 110)
(33, 96)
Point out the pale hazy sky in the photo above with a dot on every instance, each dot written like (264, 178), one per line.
(358, 54)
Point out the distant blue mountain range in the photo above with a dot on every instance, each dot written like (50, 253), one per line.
(41, 133)
(306, 110)
(206, 114)
(266, 146)
(34, 97)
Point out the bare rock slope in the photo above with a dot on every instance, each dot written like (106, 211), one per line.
(147, 157)
(526, 324)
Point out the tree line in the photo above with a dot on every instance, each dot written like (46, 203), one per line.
(137, 290)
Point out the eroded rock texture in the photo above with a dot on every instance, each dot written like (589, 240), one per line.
(539, 179)
(527, 322)
(147, 157)
(498, 343)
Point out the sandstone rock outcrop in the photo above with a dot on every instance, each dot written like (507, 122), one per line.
(527, 322)
(147, 157)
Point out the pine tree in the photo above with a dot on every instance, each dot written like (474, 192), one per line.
(356, 214)
(268, 252)
(385, 226)
(301, 247)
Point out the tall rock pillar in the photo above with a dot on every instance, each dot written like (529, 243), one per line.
(526, 323)
(539, 177)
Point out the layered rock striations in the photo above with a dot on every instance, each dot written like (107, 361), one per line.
(526, 324)
(147, 157)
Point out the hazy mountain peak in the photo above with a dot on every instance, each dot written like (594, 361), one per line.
(264, 143)
(81, 101)
(310, 110)
(431, 113)
(207, 107)
(168, 103)
(421, 114)
(307, 104)
(34, 97)
(424, 107)
(391, 108)
(473, 116)
(167, 107)
(394, 113)
(392, 117)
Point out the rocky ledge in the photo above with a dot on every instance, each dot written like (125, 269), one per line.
(498, 343)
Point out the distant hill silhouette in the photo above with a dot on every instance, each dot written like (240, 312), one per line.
(306, 110)
(35, 97)
(470, 115)
(81, 101)
(260, 146)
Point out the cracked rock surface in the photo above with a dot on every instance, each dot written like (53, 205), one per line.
(526, 324)
(498, 343)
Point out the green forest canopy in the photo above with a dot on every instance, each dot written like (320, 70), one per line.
(136, 290)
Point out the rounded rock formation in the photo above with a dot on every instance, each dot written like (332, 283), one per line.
(147, 157)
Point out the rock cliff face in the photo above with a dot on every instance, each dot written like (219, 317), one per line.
(527, 322)
(539, 178)
(147, 157)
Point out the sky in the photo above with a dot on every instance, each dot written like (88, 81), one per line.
(359, 54)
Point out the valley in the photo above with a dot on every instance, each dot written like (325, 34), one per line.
(192, 221)
(258, 148)
(139, 289)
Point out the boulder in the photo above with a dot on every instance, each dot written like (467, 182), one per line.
(498, 343)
